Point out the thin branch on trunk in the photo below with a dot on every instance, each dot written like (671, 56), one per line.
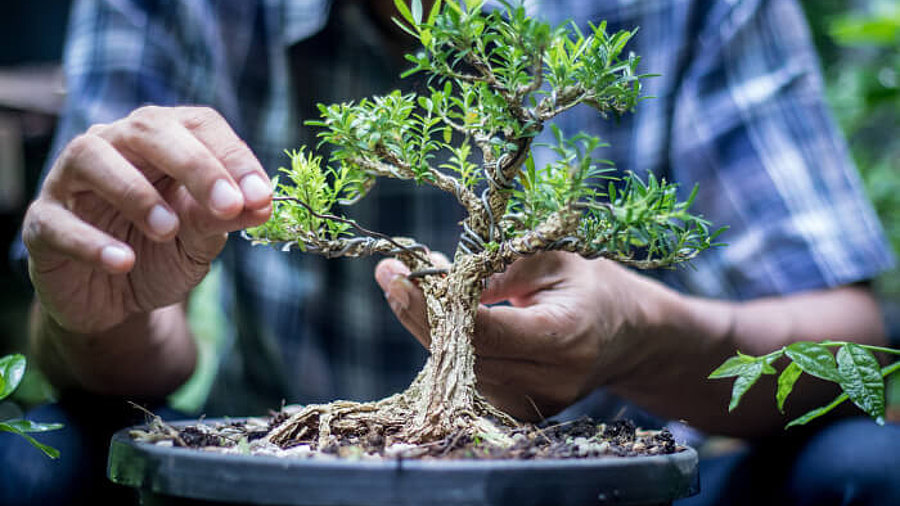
(399, 169)
(359, 228)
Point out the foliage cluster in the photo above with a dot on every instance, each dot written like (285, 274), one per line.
(495, 78)
(853, 367)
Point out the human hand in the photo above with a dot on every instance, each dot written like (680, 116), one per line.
(571, 326)
(132, 213)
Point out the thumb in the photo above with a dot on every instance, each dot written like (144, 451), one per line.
(404, 297)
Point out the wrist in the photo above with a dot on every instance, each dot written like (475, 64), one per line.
(680, 337)
(148, 354)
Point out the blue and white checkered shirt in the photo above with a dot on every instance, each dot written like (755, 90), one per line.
(738, 109)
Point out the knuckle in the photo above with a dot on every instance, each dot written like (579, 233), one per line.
(70, 161)
(138, 193)
(198, 117)
(35, 224)
(98, 129)
(147, 112)
(190, 161)
(78, 147)
(143, 120)
(235, 151)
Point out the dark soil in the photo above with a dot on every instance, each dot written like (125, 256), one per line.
(582, 438)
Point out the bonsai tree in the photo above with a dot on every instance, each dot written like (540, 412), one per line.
(496, 80)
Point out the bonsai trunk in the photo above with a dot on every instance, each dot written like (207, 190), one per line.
(442, 402)
(447, 399)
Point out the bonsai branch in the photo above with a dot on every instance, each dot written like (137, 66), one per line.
(358, 227)
(398, 169)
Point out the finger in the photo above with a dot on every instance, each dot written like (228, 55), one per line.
(91, 164)
(520, 388)
(532, 332)
(405, 299)
(200, 223)
(154, 136)
(238, 159)
(516, 404)
(50, 230)
(439, 260)
(524, 277)
(387, 269)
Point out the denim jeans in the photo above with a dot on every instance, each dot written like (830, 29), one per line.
(848, 462)
(78, 477)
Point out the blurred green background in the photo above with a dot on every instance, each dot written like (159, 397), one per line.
(859, 46)
(858, 42)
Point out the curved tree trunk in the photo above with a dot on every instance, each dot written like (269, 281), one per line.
(446, 388)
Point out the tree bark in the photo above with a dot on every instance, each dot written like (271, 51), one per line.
(447, 397)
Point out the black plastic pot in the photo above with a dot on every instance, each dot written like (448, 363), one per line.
(178, 476)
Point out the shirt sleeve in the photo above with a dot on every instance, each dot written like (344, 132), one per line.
(751, 127)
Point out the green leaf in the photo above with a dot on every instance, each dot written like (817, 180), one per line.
(13, 426)
(866, 31)
(734, 366)
(749, 375)
(861, 379)
(786, 383)
(816, 413)
(417, 11)
(435, 10)
(404, 11)
(29, 426)
(425, 37)
(814, 359)
(12, 368)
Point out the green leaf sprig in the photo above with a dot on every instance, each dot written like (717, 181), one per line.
(853, 367)
(12, 370)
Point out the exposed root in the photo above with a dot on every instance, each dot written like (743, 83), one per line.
(381, 424)
(581, 438)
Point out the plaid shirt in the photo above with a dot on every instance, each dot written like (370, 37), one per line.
(738, 109)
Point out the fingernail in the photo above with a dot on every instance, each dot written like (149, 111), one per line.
(161, 220)
(255, 189)
(224, 198)
(115, 256)
(398, 294)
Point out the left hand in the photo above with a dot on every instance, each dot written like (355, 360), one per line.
(571, 326)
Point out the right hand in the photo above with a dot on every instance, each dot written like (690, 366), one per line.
(571, 325)
(132, 213)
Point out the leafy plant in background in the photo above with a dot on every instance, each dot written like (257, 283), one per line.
(12, 369)
(862, 68)
(496, 80)
(853, 367)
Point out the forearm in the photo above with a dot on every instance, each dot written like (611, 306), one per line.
(700, 334)
(149, 354)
